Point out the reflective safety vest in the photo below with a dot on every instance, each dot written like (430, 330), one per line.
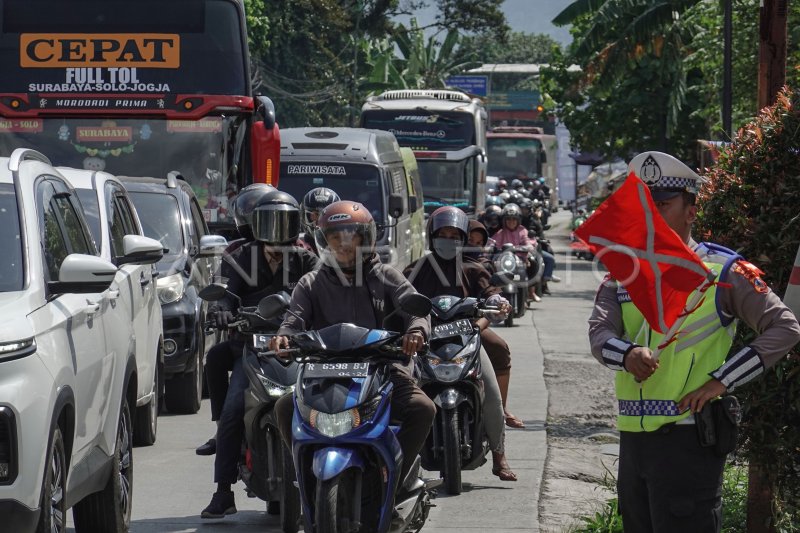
(701, 347)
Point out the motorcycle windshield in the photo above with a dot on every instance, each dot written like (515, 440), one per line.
(344, 338)
(447, 307)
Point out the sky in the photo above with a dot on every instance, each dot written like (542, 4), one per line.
(529, 16)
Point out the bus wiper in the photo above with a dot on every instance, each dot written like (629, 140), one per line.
(439, 118)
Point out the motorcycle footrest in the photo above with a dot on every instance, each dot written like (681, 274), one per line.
(430, 484)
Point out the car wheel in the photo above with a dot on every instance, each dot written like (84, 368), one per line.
(146, 426)
(52, 517)
(110, 509)
(184, 392)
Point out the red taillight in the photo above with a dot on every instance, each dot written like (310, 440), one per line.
(248, 460)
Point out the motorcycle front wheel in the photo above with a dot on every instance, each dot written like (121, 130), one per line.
(335, 505)
(452, 451)
(290, 496)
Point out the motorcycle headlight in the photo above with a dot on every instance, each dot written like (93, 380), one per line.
(505, 263)
(335, 424)
(448, 371)
(274, 389)
(170, 288)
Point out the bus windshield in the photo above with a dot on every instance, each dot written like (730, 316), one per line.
(514, 157)
(358, 183)
(422, 129)
(203, 151)
(447, 183)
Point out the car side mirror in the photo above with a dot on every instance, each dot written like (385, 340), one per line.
(212, 245)
(140, 250)
(213, 292)
(412, 204)
(396, 205)
(273, 305)
(80, 273)
(416, 304)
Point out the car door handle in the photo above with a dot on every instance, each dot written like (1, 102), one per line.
(92, 307)
(144, 281)
(113, 295)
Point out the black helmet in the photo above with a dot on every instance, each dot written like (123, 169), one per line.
(516, 184)
(276, 218)
(243, 205)
(491, 217)
(315, 201)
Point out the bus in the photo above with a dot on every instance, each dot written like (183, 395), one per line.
(523, 152)
(138, 88)
(447, 132)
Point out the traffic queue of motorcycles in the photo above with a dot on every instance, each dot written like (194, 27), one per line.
(343, 472)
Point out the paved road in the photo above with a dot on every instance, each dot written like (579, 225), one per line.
(172, 484)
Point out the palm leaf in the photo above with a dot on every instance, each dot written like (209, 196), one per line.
(575, 10)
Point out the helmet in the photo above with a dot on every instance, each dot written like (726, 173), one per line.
(512, 211)
(525, 203)
(505, 196)
(494, 200)
(243, 205)
(516, 198)
(447, 217)
(516, 184)
(276, 218)
(349, 218)
(491, 217)
(502, 185)
(315, 201)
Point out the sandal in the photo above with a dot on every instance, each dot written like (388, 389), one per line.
(513, 422)
(505, 474)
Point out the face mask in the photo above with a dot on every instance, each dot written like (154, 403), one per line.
(447, 249)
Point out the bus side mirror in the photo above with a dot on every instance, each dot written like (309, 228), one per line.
(412, 204)
(396, 205)
(265, 111)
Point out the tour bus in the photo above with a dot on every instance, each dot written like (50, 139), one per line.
(447, 131)
(365, 166)
(523, 152)
(138, 88)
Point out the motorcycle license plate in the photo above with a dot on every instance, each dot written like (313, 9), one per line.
(459, 327)
(261, 342)
(336, 370)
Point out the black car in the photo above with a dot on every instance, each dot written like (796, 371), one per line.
(170, 213)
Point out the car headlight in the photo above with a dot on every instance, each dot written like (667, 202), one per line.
(274, 389)
(170, 288)
(506, 263)
(17, 349)
(448, 371)
(335, 424)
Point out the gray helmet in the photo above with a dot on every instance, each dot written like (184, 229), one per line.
(315, 201)
(512, 211)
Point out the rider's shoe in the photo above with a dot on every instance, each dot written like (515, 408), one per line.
(208, 448)
(222, 504)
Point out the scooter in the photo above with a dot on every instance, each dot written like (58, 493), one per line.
(451, 376)
(511, 275)
(265, 465)
(344, 445)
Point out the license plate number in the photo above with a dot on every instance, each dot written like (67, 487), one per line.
(459, 327)
(336, 370)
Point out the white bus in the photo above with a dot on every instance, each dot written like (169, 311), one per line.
(447, 132)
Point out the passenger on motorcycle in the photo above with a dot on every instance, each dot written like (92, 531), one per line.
(444, 272)
(353, 286)
(481, 246)
(312, 205)
(491, 219)
(270, 264)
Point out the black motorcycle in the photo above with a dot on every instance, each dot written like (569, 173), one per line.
(511, 276)
(265, 465)
(451, 376)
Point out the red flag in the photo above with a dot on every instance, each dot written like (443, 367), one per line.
(639, 249)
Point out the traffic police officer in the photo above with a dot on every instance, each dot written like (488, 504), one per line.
(667, 481)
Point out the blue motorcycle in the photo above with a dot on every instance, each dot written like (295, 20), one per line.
(344, 444)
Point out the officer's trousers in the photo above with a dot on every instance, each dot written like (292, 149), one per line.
(667, 482)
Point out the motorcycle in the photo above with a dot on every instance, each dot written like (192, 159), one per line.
(343, 443)
(265, 465)
(451, 376)
(511, 275)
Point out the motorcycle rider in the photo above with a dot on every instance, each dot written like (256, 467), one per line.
(353, 286)
(491, 219)
(242, 208)
(279, 265)
(312, 205)
(444, 272)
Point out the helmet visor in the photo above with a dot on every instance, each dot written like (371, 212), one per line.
(276, 224)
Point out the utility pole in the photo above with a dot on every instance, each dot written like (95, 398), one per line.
(772, 50)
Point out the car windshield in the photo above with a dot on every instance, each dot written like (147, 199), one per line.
(161, 219)
(446, 182)
(359, 183)
(514, 157)
(91, 212)
(12, 275)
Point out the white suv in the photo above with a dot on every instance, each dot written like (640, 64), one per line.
(66, 390)
(111, 217)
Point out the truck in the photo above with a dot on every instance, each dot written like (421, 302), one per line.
(447, 132)
(138, 89)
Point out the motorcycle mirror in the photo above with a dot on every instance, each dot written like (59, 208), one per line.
(508, 246)
(416, 304)
(273, 305)
(213, 292)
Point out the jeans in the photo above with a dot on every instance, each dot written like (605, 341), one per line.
(549, 265)
(231, 427)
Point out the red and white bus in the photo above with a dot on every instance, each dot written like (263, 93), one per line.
(138, 88)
